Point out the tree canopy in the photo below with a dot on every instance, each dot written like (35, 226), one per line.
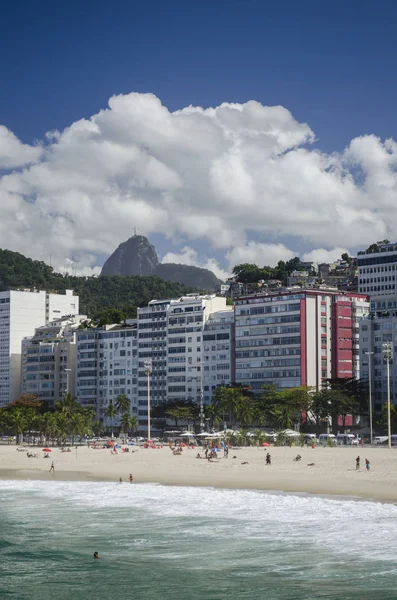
(97, 294)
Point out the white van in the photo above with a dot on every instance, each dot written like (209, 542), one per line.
(324, 437)
(347, 439)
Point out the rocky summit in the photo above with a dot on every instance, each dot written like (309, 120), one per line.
(136, 256)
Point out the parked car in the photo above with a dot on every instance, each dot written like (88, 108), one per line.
(380, 439)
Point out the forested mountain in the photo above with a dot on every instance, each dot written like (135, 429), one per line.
(96, 293)
(196, 277)
(137, 256)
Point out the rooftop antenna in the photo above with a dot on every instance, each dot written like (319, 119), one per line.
(134, 231)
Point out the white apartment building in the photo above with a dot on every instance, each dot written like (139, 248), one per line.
(48, 359)
(21, 312)
(170, 335)
(106, 366)
(293, 339)
(218, 352)
(152, 347)
(186, 321)
(377, 271)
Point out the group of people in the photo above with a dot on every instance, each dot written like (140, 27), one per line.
(131, 479)
(367, 464)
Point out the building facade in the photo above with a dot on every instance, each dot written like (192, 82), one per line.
(106, 366)
(296, 338)
(170, 336)
(218, 352)
(49, 359)
(21, 312)
(377, 271)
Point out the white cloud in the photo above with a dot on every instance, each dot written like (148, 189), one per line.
(189, 256)
(322, 255)
(221, 175)
(259, 254)
(13, 153)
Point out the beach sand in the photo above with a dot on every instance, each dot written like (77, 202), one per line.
(333, 473)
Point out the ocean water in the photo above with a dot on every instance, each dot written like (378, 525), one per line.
(163, 543)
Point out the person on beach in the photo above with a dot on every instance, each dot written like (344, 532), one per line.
(357, 463)
(131, 478)
(52, 468)
(268, 459)
(367, 464)
(96, 555)
(120, 480)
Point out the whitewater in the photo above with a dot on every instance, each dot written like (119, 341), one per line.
(186, 542)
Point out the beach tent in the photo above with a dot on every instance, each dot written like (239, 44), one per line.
(187, 434)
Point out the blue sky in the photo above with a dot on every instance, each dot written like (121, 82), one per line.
(331, 64)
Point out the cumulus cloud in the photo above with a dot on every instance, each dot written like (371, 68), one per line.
(14, 153)
(259, 254)
(189, 256)
(222, 175)
(322, 255)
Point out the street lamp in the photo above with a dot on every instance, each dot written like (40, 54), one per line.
(67, 371)
(148, 370)
(369, 354)
(387, 352)
(201, 400)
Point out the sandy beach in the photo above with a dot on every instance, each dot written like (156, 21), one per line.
(333, 472)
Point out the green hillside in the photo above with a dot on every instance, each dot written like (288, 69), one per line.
(96, 293)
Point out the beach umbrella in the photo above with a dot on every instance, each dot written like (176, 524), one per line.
(203, 434)
(265, 444)
(182, 444)
(187, 434)
(47, 450)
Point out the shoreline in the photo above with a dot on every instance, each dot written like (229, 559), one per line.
(333, 473)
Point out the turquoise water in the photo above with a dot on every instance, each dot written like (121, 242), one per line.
(161, 542)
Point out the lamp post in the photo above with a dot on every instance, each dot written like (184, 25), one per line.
(387, 352)
(369, 354)
(148, 370)
(67, 371)
(201, 400)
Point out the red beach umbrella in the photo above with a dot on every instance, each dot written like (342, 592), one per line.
(182, 445)
(47, 450)
(265, 444)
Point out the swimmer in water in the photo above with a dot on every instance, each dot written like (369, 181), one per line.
(96, 555)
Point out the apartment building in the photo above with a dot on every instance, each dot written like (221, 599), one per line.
(218, 352)
(296, 338)
(186, 322)
(48, 359)
(170, 336)
(106, 366)
(152, 348)
(21, 312)
(377, 271)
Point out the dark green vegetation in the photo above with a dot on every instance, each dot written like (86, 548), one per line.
(96, 293)
(250, 273)
(196, 277)
(67, 419)
(279, 409)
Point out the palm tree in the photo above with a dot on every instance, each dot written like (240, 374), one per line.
(19, 423)
(214, 414)
(111, 412)
(128, 423)
(122, 403)
(51, 427)
(97, 428)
